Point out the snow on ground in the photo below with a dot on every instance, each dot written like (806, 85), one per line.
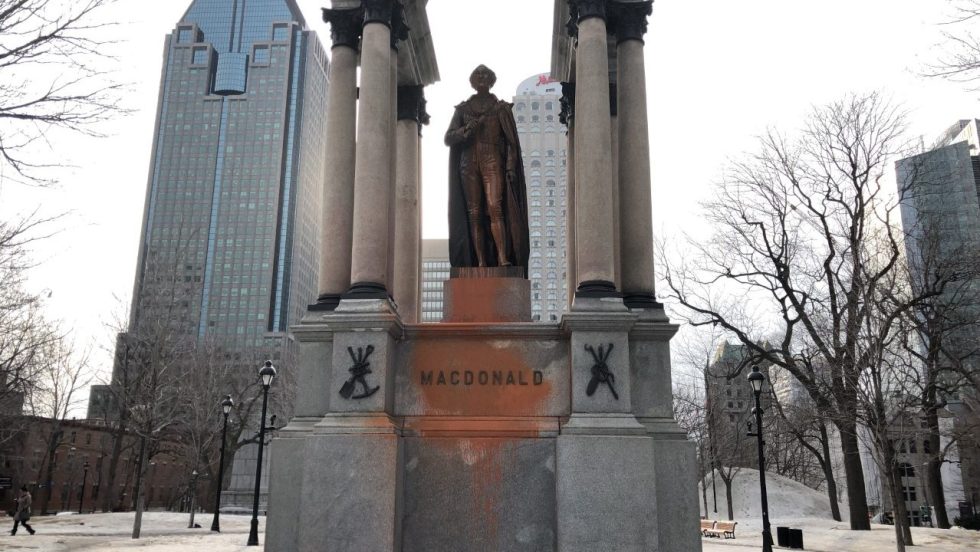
(822, 535)
(168, 532)
(162, 532)
(787, 498)
(792, 504)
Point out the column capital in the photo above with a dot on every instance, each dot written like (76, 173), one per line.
(399, 27)
(345, 26)
(567, 103)
(628, 20)
(580, 10)
(379, 11)
(411, 104)
(585, 9)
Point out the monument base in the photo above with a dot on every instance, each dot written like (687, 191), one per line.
(482, 436)
(487, 294)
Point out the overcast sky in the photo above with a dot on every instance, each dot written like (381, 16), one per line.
(718, 73)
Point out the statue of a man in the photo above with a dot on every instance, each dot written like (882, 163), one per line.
(487, 190)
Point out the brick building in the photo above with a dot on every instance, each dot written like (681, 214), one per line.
(81, 456)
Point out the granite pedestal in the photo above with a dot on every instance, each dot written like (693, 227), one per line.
(482, 436)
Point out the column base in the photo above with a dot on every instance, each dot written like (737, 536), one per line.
(366, 290)
(597, 288)
(326, 302)
(641, 300)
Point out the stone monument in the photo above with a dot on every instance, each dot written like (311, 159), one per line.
(485, 432)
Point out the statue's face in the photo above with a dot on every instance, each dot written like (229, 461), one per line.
(482, 79)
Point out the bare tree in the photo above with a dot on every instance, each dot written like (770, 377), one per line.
(807, 425)
(53, 55)
(960, 61)
(792, 248)
(61, 375)
(26, 336)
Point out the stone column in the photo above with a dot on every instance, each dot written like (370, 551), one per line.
(614, 141)
(408, 214)
(393, 99)
(594, 237)
(372, 173)
(567, 117)
(338, 184)
(635, 212)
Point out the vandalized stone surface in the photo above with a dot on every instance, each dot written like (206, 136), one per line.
(476, 376)
(479, 494)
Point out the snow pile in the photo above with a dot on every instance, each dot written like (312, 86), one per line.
(788, 499)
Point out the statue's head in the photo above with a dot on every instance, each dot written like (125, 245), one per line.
(482, 77)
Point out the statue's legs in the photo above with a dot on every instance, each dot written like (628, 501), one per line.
(493, 186)
(473, 194)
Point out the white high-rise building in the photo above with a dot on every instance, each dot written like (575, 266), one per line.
(545, 149)
(435, 271)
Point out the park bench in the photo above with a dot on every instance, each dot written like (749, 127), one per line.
(718, 529)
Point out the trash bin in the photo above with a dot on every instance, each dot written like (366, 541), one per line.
(782, 536)
(796, 538)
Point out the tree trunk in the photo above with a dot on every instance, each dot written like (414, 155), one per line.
(728, 496)
(110, 489)
(704, 496)
(53, 443)
(903, 534)
(933, 477)
(137, 491)
(828, 473)
(857, 499)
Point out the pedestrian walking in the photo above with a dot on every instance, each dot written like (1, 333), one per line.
(23, 512)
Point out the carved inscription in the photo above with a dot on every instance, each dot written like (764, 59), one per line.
(480, 377)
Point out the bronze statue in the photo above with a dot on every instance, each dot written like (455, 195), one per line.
(487, 190)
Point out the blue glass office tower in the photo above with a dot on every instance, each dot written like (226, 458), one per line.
(233, 200)
(230, 240)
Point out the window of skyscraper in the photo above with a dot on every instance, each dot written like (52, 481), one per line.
(261, 55)
(200, 56)
(280, 33)
(184, 35)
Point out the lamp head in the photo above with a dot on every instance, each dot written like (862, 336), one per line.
(227, 404)
(756, 379)
(267, 373)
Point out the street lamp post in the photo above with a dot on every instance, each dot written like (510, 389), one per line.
(81, 498)
(267, 373)
(226, 406)
(756, 379)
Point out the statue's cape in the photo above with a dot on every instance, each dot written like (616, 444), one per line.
(461, 253)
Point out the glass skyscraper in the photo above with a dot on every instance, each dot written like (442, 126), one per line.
(230, 241)
(233, 200)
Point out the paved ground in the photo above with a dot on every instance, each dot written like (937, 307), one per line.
(827, 536)
(168, 532)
